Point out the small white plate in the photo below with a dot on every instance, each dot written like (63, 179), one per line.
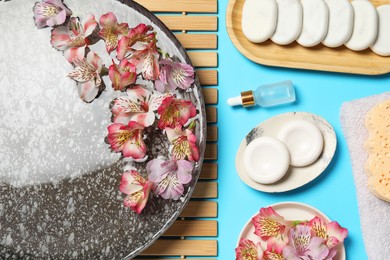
(295, 176)
(290, 211)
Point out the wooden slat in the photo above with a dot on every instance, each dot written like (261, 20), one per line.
(195, 6)
(205, 190)
(210, 95)
(197, 41)
(209, 171)
(203, 59)
(212, 133)
(171, 247)
(211, 114)
(208, 77)
(211, 152)
(200, 228)
(190, 23)
(200, 209)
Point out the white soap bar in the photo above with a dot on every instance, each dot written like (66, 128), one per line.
(382, 43)
(304, 141)
(315, 22)
(259, 19)
(289, 24)
(266, 160)
(341, 17)
(365, 29)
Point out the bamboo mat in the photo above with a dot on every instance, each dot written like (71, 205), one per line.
(194, 234)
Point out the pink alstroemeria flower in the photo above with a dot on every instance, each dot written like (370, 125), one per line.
(274, 249)
(111, 30)
(137, 190)
(332, 233)
(146, 62)
(270, 224)
(302, 245)
(247, 250)
(175, 112)
(184, 144)
(169, 176)
(87, 76)
(127, 139)
(174, 75)
(138, 38)
(73, 38)
(122, 75)
(139, 105)
(50, 13)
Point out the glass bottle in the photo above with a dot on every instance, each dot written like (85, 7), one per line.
(266, 95)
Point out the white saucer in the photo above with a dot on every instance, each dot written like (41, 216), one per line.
(290, 211)
(295, 176)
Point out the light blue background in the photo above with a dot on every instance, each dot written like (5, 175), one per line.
(321, 93)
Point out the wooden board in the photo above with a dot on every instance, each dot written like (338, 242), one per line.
(339, 59)
(192, 235)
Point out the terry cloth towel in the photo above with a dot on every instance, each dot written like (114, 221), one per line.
(374, 212)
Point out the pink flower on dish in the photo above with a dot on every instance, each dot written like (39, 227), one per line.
(138, 38)
(302, 245)
(139, 105)
(270, 224)
(137, 190)
(184, 144)
(146, 62)
(87, 76)
(50, 13)
(127, 139)
(73, 38)
(175, 112)
(274, 249)
(247, 250)
(169, 176)
(111, 31)
(122, 75)
(332, 233)
(174, 75)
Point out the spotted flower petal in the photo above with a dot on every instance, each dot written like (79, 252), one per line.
(269, 224)
(122, 75)
(139, 105)
(247, 250)
(332, 232)
(303, 246)
(146, 62)
(175, 112)
(184, 144)
(111, 31)
(137, 190)
(50, 13)
(127, 139)
(169, 176)
(73, 38)
(87, 76)
(274, 249)
(138, 38)
(174, 75)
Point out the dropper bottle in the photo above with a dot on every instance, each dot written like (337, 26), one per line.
(266, 95)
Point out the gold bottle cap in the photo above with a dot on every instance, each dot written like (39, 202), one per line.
(247, 98)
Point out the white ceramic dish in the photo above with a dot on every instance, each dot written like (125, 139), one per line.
(290, 211)
(295, 176)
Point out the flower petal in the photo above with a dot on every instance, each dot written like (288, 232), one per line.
(74, 53)
(89, 24)
(268, 224)
(88, 90)
(184, 171)
(317, 248)
(336, 234)
(247, 250)
(108, 20)
(128, 185)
